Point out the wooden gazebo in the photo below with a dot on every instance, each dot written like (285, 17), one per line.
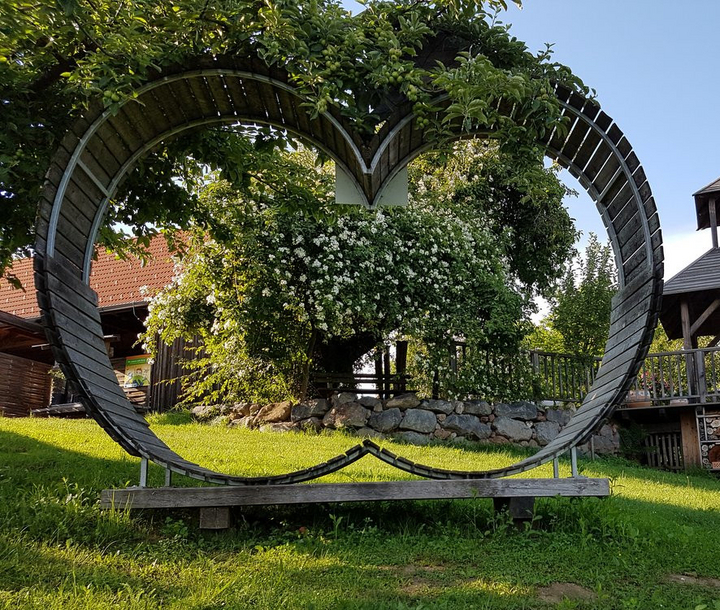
(691, 309)
(691, 299)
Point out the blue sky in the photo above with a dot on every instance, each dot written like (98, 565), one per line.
(655, 67)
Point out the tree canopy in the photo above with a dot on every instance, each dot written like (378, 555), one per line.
(242, 195)
(579, 319)
(59, 58)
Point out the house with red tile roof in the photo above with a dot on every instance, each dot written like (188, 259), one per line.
(123, 287)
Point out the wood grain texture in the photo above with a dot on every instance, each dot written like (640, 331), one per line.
(593, 148)
(24, 385)
(198, 497)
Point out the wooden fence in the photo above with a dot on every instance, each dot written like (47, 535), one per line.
(24, 385)
(663, 446)
(562, 377)
(167, 372)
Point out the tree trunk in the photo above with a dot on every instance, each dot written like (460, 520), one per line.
(306, 366)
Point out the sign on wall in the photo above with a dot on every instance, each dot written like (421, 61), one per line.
(137, 371)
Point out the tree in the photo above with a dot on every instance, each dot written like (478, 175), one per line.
(80, 53)
(270, 291)
(579, 319)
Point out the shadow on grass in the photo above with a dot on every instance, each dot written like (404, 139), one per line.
(46, 569)
(352, 556)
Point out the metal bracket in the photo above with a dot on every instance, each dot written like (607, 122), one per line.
(143, 471)
(573, 462)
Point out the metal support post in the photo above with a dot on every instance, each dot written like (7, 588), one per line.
(556, 468)
(573, 462)
(143, 471)
(168, 477)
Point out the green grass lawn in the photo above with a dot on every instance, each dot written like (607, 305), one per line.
(59, 550)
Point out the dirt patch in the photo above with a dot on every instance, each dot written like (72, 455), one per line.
(686, 579)
(415, 579)
(415, 586)
(558, 591)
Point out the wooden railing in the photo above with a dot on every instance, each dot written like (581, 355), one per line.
(563, 377)
(681, 377)
(385, 386)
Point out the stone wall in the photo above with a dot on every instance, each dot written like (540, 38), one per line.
(413, 420)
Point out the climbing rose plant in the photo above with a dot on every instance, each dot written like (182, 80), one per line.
(267, 290)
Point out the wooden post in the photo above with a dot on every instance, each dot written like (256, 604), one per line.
(401, 350)
(690, 442)
(379, 372)
(452, 352)
(215, 518)
(305, 382)
(685, 318)
(713, 221)
(520, 509)
(535, 359)
(386, 373)
(143, 471)
(700, 375)
(536, 385)
(688, 346)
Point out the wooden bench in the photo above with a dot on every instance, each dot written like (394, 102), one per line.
(103, 146)
(325, 384)
(517, 496)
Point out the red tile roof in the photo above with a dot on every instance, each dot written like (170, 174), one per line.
(117, 282)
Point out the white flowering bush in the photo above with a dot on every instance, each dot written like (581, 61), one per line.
(273, 292)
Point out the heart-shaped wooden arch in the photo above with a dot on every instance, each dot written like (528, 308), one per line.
(103, 146)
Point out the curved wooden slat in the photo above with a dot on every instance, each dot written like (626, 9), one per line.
(103, 147)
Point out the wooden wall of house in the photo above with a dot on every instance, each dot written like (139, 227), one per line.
(167, 371)
(24, 385)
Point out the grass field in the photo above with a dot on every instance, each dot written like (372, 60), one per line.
(654, 544)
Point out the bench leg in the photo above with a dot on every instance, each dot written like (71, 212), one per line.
(520, 509)
(215, 518)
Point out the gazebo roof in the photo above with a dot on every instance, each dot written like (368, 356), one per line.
(702, 197)
(699, 285)
(713, 187)
(702, 274)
